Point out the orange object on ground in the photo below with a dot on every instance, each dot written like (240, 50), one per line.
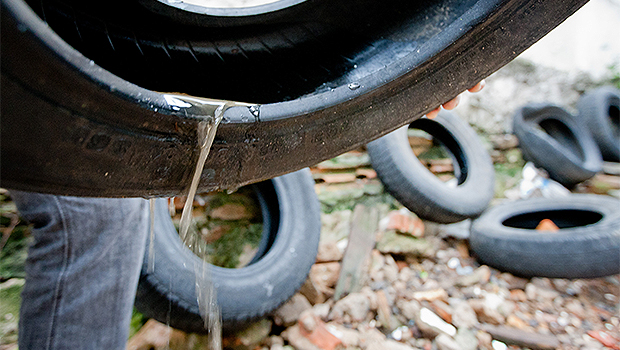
(547, 225)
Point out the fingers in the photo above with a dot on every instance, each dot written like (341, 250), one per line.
(432, 114)
(448, 105)
(455, 101)
(452, 103)
(478, 86)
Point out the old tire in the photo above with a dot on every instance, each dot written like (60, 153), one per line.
(600, 111)
(587, 244)
(90, 122)
(291, 222)
(414, 186)
(558, 142)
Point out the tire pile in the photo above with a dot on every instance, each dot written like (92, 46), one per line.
(571, 149)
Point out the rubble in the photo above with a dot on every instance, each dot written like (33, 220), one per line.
(392, 242)
(525, 339)
(411, 302)
(352, 308)
(288, 313)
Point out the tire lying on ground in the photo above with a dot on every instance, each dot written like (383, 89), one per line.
(600, 111)
(558, 142)
(291, 229)
(81, 114)
(587, 244)
(413, 185)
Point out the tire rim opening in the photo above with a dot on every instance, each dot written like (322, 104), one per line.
(438, 151)
(561, 218)
(614, 117)
(563, 135)
(230, 225)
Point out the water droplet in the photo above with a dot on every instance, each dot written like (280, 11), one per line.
(354, 86)
(91, 63)
(225, 120)
(245, 119)
(155, 109)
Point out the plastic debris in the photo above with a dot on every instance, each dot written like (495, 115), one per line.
(536, 183)
(498, 345)
(431, 319)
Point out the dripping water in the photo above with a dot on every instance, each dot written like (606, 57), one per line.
(205, 293)
(151, 260)
(213, 112)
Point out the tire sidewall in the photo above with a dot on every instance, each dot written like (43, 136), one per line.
(449, 204)
(576, 252)
(546, 152)
(594, 110)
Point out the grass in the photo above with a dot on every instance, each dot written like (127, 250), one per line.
(137, 321)
(508, 174)
(9, 313)
(225, 252)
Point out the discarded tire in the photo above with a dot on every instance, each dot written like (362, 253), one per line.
(600, 111)
(413, 185)
(81, 115)
(587, 244)
(291, 229)
(558, 142)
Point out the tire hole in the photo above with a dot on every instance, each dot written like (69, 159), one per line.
(231, 226)
(562, 218)
(438, 151)
(614, 116)
(563, 135)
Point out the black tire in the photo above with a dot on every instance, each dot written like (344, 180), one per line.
(587, 245)
(291, 230)
(558, 142)
(600, 111)
(414, 186)
(77, 127)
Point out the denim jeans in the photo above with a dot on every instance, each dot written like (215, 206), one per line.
(82, 270)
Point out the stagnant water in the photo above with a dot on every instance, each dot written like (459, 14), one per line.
(211, 112)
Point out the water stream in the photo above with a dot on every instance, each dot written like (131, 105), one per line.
(212, 112)
(151, 261)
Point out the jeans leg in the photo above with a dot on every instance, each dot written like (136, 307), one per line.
(82, 270)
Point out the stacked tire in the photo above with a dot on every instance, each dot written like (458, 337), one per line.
(414, 186)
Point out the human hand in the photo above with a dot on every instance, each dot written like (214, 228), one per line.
(455, 101)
